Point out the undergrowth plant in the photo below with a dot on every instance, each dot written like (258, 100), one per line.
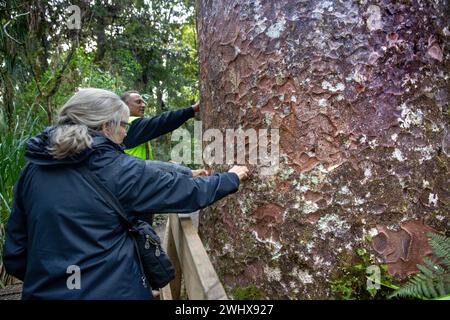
(12, 147)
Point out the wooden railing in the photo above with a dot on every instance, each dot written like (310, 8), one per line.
(192, 265)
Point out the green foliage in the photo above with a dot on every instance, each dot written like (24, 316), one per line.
(159, 219)
(343, 288)
(124, 64)
(440, 246)
(433, 279)
(352, 282)
(184, 85)
(247, 293)
(12, 147)
(89, 74)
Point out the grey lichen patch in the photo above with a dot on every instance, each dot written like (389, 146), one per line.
(268, 116)
(304, 206)
(286, 172)
(246, 204)
(426, 153)
(332, 223)
(273, 246)
(265, 185)
(432, 199)
(323, 103)
(314, 177)
(302, 275)
(308, 183)
(343, 196)
(398, 155)
(374, 21)
(410, 117)
(273, 274)
(275, 30)
(333, 88)
(309, 207)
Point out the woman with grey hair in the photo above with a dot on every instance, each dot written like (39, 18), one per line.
(62, 238)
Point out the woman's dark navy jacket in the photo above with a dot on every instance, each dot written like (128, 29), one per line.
(58, 219)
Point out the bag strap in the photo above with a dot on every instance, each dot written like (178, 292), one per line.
(105, 193)
(115, 204)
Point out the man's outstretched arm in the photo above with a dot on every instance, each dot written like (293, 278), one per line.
(145, 129)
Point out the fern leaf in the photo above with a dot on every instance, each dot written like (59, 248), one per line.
(409, 290)
(432, 290)
(424, 288)
(446, 262)
(427, 272)
(436, 268)
(440, 245)
(440, 286)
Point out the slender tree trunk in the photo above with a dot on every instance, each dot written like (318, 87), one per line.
(360, 94)
(160, 105)
(8, 99)
(163, 142)
(56, 81)
(101, 39)
(42, 34)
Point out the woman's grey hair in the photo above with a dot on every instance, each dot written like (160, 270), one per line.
(89, 108)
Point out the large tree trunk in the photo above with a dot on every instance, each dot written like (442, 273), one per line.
(359, 91)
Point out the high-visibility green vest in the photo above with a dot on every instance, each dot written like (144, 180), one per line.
(143, 151)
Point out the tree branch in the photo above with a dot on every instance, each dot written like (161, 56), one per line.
(6, 25)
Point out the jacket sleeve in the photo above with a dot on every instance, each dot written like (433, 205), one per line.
(171, 192)
(15, 249)
(146, 129)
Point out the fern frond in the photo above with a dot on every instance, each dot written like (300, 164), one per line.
(434, 267)
(426, 272)
(446, 262)
(431, 289)
(441, 288)
(440, 245)
(410, 289)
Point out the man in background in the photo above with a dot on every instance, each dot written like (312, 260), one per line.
(143, 129)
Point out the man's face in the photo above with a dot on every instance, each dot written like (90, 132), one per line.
(136, 105)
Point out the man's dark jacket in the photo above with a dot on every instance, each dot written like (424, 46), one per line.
(58, 220)
(146, 129)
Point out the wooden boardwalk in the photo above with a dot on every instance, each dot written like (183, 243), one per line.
(11, 292)
(192, 264)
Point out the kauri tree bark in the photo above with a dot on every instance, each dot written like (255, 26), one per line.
(359, 91)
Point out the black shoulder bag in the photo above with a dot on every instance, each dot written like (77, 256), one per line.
(155, 263)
